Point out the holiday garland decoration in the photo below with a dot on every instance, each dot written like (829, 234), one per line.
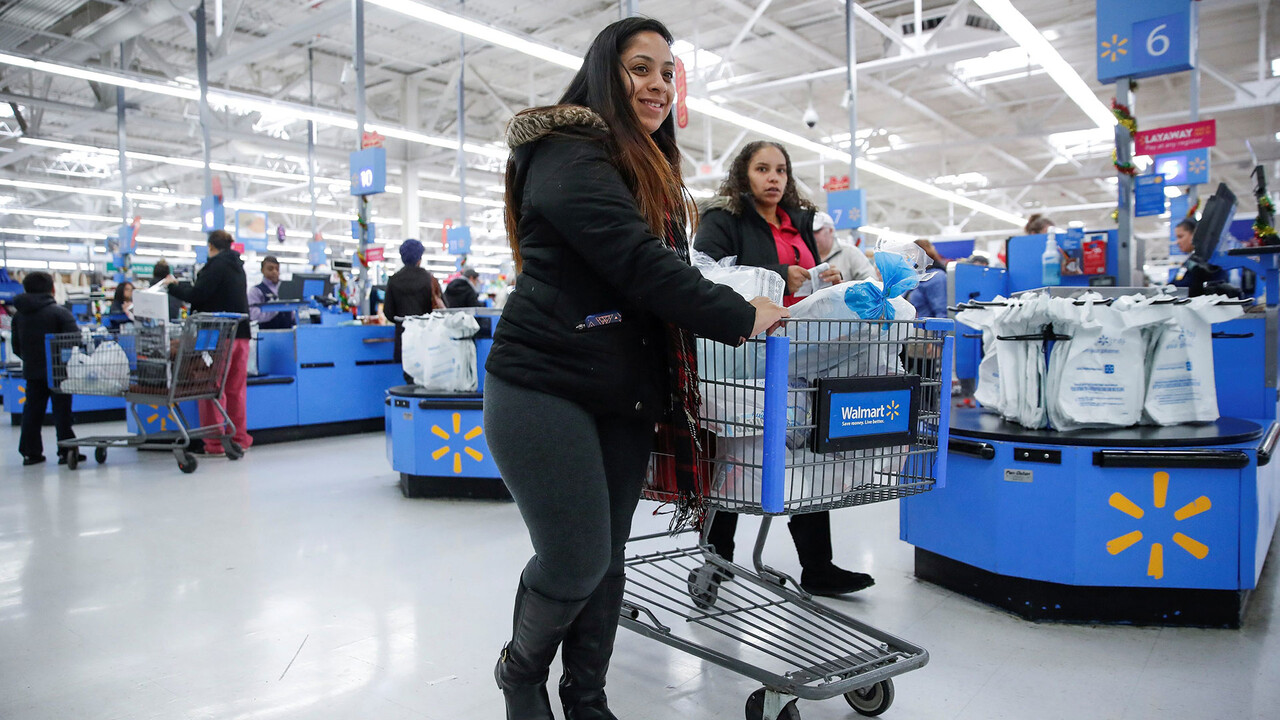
(1264, 230)
(1125, 117)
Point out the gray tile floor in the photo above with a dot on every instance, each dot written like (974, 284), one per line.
(298, 583)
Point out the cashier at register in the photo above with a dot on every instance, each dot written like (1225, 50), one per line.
(1197, 274)
(268, 291)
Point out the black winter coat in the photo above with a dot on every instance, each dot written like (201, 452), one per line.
(587, 251)
(220, 286)
(411, 291)
(38, 315)
(747, 235)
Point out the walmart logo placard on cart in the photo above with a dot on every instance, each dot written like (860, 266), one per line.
(868, 413)
(857, 413)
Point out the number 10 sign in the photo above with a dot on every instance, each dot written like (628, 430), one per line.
(1144, 38)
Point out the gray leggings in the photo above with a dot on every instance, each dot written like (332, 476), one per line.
(576, 478)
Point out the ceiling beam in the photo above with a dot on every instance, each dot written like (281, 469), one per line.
(278, 41)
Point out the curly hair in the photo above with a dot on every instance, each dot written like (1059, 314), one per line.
(737, 183)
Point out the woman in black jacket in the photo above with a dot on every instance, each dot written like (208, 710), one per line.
(593, 349)
(760, 217)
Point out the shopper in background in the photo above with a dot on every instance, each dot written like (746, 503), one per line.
(220, 287)
(121, 306)
(1184, 232)
(930, 297)
(39, 315)
(463, 291)
(594, 347)
(846, 259)
(413, 290)
(759, 216)
(1037, 224)
(161, 272)
(268, 291)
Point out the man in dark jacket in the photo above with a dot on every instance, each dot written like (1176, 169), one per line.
(221, 286)
(461, 292)
(413, 290)
(38, 315)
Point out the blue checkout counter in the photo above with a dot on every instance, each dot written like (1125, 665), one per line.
(436, 442)
(1146, 525)
(313, 381)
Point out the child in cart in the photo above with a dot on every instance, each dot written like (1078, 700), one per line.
(39, 315)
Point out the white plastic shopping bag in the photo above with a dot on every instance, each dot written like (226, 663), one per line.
(437, 351)
(1180, 383)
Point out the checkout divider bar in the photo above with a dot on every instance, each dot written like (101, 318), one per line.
(1202, 459)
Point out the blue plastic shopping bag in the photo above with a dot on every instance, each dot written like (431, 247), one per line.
(872, 303)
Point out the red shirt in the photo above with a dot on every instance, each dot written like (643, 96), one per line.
(791, 250)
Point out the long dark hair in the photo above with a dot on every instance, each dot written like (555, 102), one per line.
(649, 164)
(737, 183)
(118, 298)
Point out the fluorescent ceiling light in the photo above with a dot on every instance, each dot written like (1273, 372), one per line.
(480, 31)
(33, 245)
(274, 109)
(1016, 25)
(1000, 62)
(42, 232)
(55, 223)
(710, 109)
(702, 59)
(108, 78)
(706, 107)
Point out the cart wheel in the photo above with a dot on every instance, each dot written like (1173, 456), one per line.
(704, 586)
(871, 700)
(755, 708)
(73, 458)
(234, 451)
(187, 463)
(100, 455)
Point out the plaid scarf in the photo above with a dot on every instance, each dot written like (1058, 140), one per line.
(681, 478)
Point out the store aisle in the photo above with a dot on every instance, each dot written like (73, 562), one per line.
(298, 583)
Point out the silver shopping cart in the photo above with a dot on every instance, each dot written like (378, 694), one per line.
(825, 415)
(149, 362)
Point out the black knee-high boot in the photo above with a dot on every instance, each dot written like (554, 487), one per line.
(539, 625)
(587, 648)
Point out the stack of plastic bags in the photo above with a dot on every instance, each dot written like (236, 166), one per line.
(437, 351)
(103, 371)
(1135, 360)
(735, 412)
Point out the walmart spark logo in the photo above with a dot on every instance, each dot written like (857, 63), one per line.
(164, 421)
(1196, 166)
(1160, 490)
(443, 450)
(892, 410)
(22, 393)
(1114, 49)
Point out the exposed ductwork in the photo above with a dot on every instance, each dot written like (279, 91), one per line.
(124, 23)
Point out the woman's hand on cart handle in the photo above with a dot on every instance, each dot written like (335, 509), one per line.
(768, 315)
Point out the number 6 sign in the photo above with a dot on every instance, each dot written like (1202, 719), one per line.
(1144, 38)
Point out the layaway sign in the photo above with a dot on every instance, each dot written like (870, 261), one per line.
(1177, 138)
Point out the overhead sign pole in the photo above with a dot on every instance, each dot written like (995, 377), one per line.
(1139, 39)
(311, 147)
(362, 200)
(462, 123)
(122, 160)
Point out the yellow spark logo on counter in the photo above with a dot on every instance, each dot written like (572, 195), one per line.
(1114, 49)
(164, 421)
(22, 392)
(472, 434)
(1160, 491)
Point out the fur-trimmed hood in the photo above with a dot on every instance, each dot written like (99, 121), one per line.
(536, 123)
(719, 202)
